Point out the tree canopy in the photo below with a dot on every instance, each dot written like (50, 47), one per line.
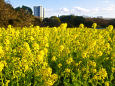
(27, 9)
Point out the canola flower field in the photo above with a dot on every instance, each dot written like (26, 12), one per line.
(57, 56)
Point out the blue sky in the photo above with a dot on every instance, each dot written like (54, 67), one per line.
(93, 8)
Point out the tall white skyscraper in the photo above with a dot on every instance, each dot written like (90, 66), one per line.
(39, 11)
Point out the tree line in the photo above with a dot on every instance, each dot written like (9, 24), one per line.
(18, 17)
(23, 16)
(75, 21)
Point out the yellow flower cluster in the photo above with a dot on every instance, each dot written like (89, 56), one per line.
(2, 65)
(1, 52)
(94, 25)
(69, 60)
(92, 63)
(57, 56)
(53, 58)
(101, 75)
(51, 80)
(81, 26)
(61, 48)
(59, 65)
(67, 70)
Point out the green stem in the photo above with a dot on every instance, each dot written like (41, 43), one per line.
(2, 79)
(17, 82)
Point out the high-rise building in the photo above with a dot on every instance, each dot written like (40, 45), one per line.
(39, 11)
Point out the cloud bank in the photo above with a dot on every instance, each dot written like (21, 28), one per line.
(107, 12)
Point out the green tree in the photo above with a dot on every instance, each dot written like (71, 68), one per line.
(37, 21)
(52, 21)
(55, 21)
(27, 9)
(21, 17)
(72, 21)
(6, 13)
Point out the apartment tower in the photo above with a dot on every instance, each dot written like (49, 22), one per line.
(39, 11)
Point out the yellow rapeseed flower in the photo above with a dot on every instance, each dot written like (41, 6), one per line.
(113, 69)
(69, 60)
(26, 68)
(59, 65)
(2, 64)
(107, 83)
(40, 58)
(113, 54)
(53, 58)
(81, 26)
(42, 53)
(94, 25)
(35, 46)
(95, 77)
(45, 50)
(1, 52)
(110, 27)
(61, 48)
(49, 70)
(63, 25)
(54, 77)
(100, 53)
(67, 70)
(84, 54)
(94, 70)
(102, 74)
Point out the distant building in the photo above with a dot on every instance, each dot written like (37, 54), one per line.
(39, 11)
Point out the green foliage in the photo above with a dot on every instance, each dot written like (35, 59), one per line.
(16, 17)
(27, 9)
(52, 21)
(57, 56)
(72, 21)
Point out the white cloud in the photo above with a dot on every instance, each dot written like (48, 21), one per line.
(98, 11)
(48, 9)
(81, 9)
(64, 10)
(105, 12)
(109, 8)
(106, 1)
